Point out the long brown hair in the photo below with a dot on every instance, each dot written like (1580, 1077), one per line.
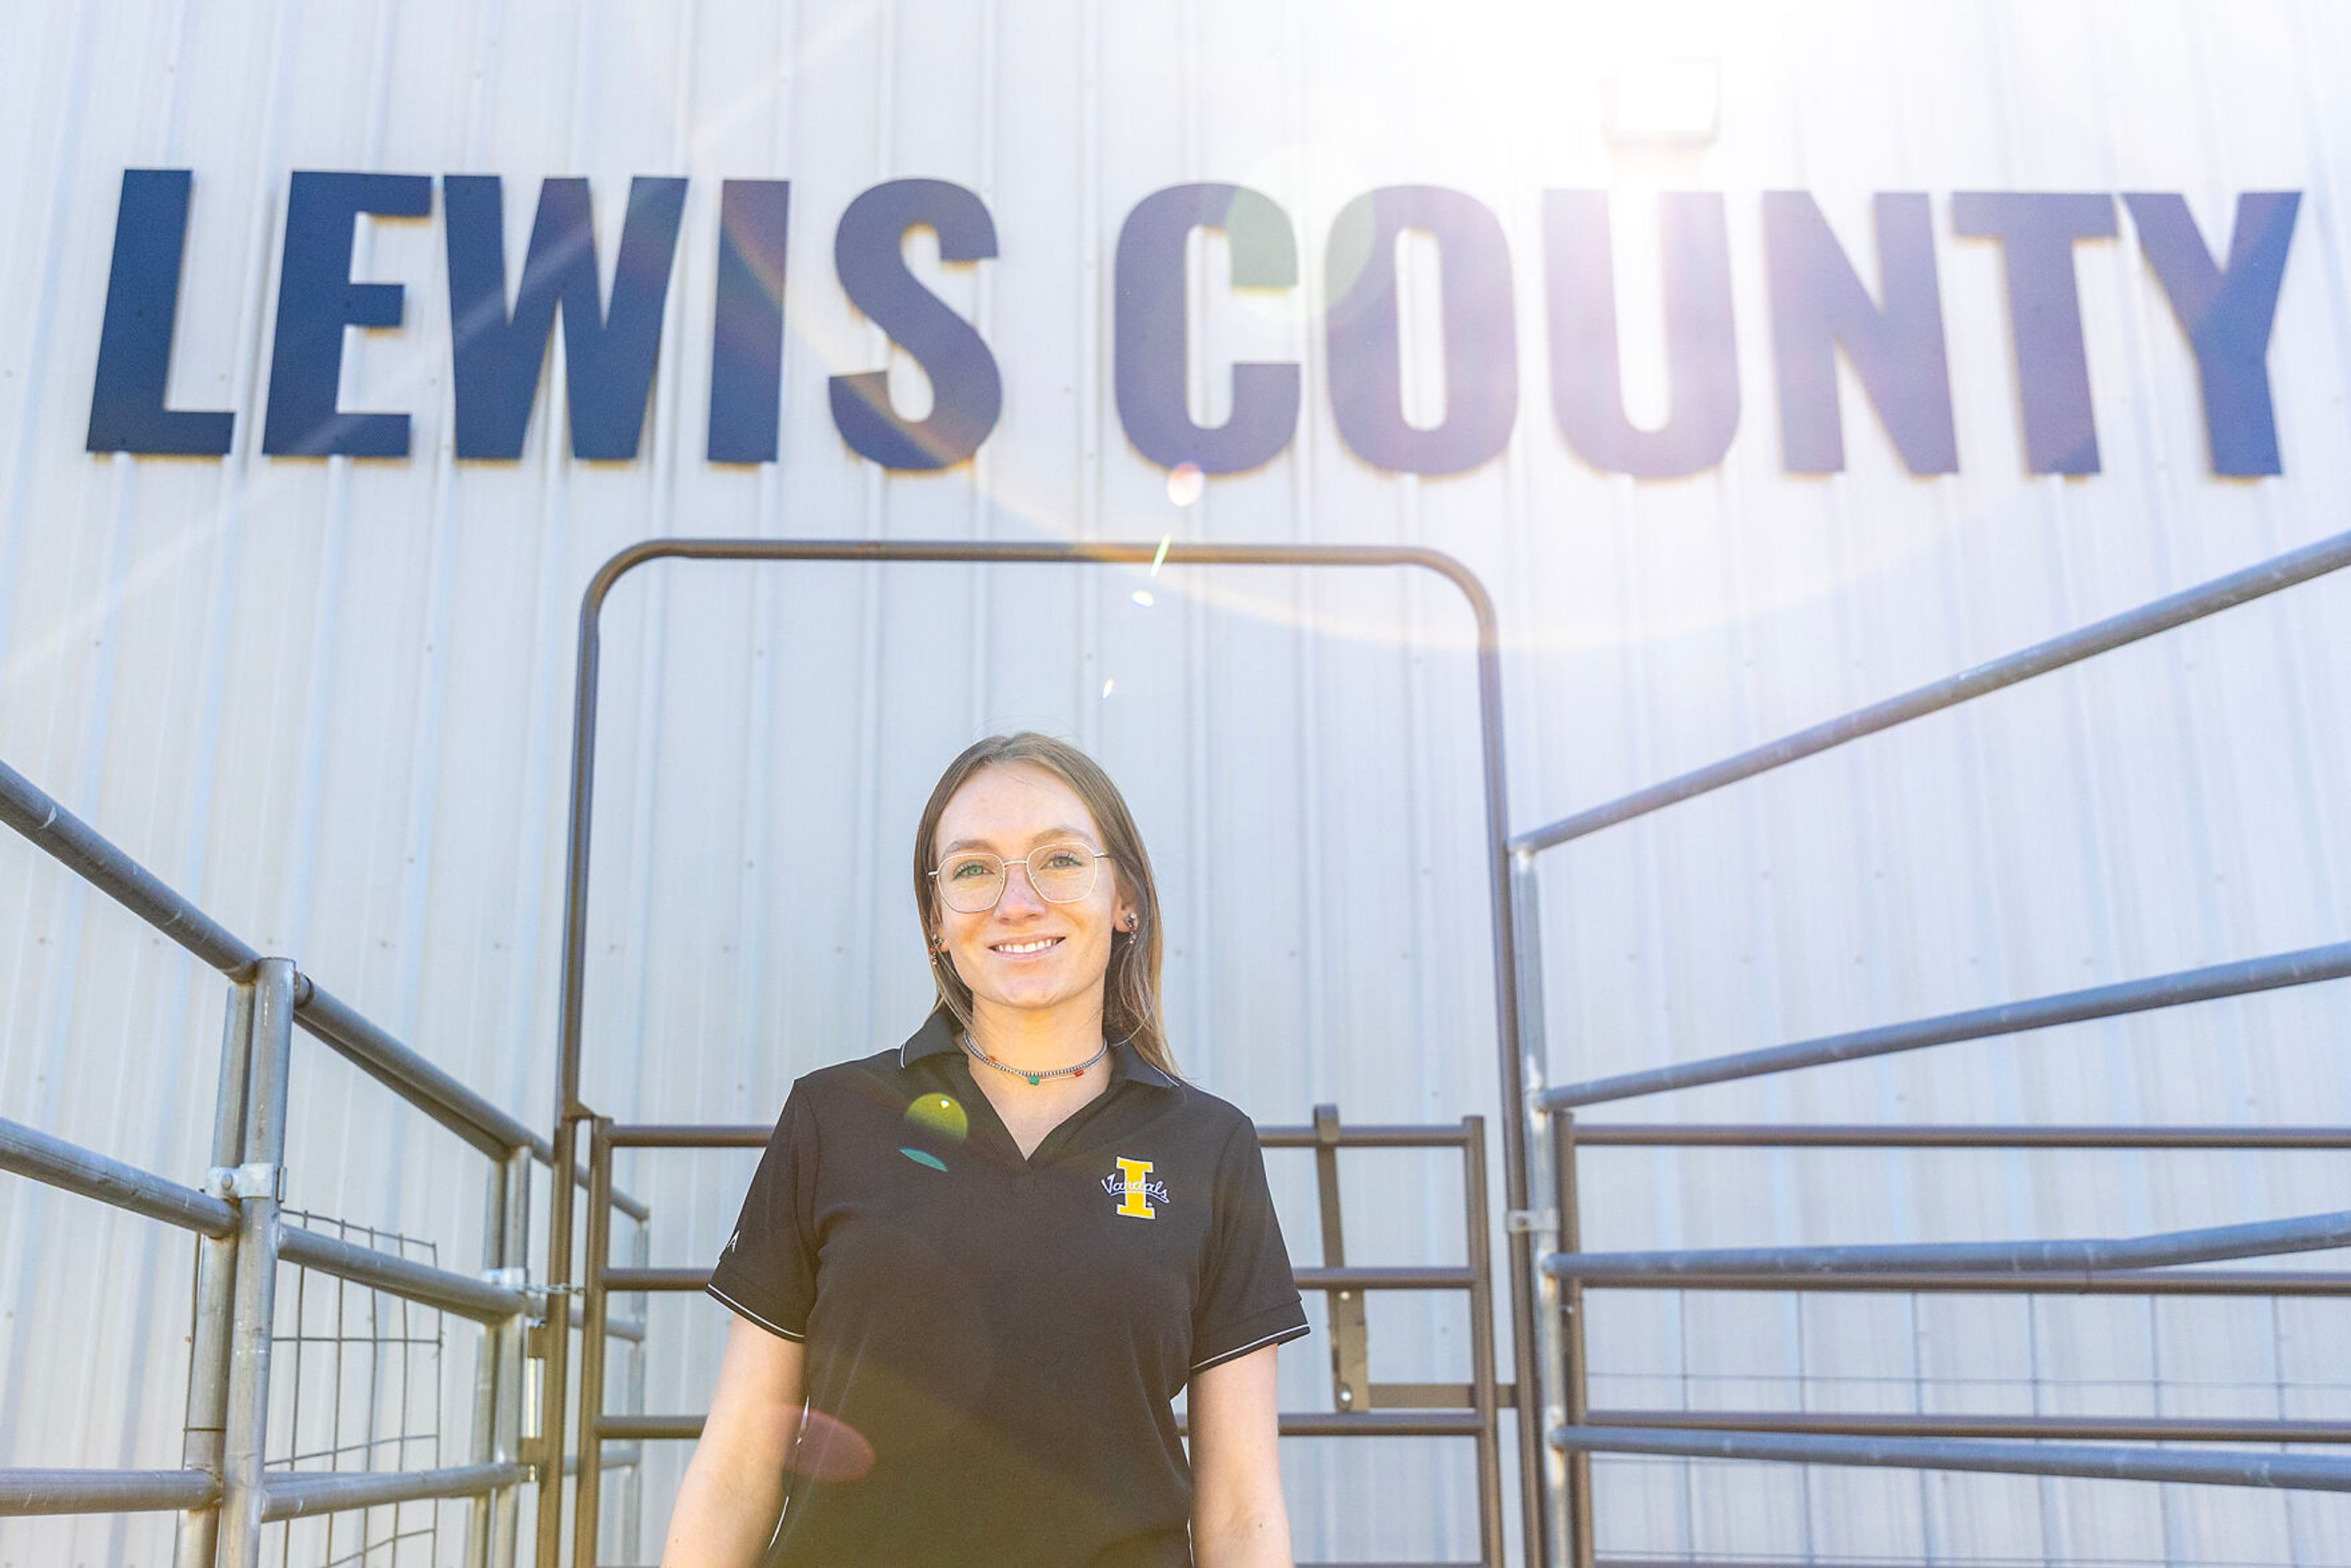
(1131, 987)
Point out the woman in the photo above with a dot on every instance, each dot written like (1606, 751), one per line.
(973, 1269)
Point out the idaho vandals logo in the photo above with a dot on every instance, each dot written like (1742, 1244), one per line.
(1134, 1189)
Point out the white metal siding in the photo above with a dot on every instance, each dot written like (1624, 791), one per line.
(330, 699)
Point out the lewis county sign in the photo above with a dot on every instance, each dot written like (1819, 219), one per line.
(1819, 308)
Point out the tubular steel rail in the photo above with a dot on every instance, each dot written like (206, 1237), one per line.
(2138, 1266)
(222, 1490)
(1363, 1408)
(572, 1113)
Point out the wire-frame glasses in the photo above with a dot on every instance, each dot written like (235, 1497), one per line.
(972, 881)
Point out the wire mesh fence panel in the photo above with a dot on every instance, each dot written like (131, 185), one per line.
(356, 1386)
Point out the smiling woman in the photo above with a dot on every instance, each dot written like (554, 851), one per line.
(955, 1340)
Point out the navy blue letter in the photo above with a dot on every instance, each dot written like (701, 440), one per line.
(1818, 306)
(966, 394)
(608, 359)
(1587, 386)
(2226, 314)
(317, 299)
(134, 346)
(1481, 350)
(2037, 230)
(1150, 358)
(747, 334)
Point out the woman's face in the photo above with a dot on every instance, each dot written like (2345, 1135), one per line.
(1008, 809)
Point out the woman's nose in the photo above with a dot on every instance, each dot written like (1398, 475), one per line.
(1018, 891)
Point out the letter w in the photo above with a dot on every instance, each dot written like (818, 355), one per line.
(608, 360)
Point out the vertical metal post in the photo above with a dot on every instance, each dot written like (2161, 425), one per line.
(487, 1369)
(208, 1340)
(1545, 1502)
(1483, 1392)
(506, 1522)
(588, 1497)
(245, 1431)
(555, 1341)
(1571, 1239)
(1350, 1361)
(641, 1255)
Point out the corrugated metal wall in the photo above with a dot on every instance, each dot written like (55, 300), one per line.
(330, 699)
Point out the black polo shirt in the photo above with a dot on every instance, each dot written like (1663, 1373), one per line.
(994, 1342)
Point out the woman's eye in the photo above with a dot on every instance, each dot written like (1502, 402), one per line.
(1064, 860)
(965, 870)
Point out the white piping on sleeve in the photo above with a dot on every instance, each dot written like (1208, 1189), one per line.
(1293, 1331)
(762, 1322)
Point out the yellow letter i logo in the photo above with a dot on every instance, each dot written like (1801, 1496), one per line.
(1135, 1201)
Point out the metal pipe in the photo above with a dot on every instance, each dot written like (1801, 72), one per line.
(206, 1426)
(587, 1497)
(88, 854)
(24, 1492)
(1847, 1135)
(445, 1289)
(2266, 1239)
(1370, 1135)
(2312, 1472)
(753, 1136)
(91, 855)
(615, 1457)
(633, 1502)
(1484, 1389)
(1496, 799)
(485, 1370)
(374, 1050)
(1904, 1424)
(506, 1503)
(1293, 1424)
(299, 1494)
(1418, 1277)
(1549, 1502)
(2271, 973)
(2236, 587)
(2262, 1283)
(29, 1152)
(244, 1443)
(555, 1339)
(1575, 1364)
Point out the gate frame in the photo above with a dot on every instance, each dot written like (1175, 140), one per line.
(1532, 1419)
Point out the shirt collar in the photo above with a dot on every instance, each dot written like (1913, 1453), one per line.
(937, 1037)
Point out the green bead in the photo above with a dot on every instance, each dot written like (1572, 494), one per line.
(1032, 1078)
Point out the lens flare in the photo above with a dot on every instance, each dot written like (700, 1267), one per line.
(828, 1449)
(1185, 483)
(941, 1115)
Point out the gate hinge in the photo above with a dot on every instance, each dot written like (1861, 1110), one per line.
(259, 1179)
(1540, 1221)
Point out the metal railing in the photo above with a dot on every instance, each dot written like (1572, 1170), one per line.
(223, 1490)
(2139, 1265)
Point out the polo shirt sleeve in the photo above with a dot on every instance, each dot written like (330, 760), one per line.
(1248, 1299)
(766, 1272)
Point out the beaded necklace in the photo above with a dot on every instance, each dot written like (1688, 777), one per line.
(1037, 1077)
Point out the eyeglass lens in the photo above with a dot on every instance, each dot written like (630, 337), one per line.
(1062, 873)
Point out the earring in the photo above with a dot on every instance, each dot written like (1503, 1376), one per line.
(1134, 923)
